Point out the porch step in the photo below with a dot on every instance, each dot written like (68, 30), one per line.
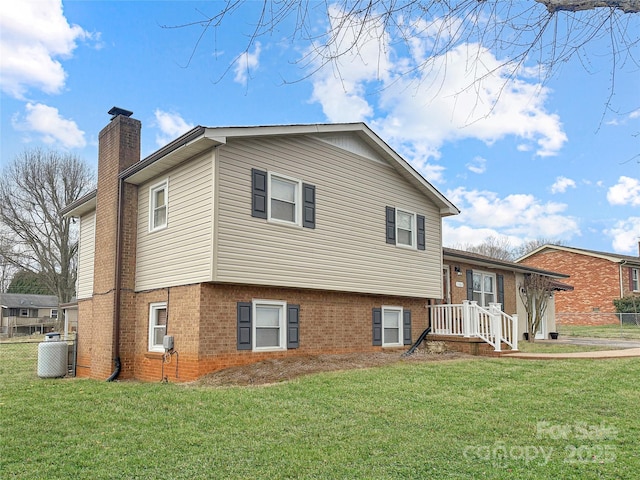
(470, 345)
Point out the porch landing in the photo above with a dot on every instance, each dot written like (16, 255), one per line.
(470, 345)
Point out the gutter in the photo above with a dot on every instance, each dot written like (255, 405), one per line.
(623, 262)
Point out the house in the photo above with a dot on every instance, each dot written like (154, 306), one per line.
(25, 314)
(487, 282)
(598, 278)
(233, 245)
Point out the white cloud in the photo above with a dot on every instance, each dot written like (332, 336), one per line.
(478, 165)
(246, 63)
(171, 126)
(625, 235)
(465, 93)
(625, 192)
(516, 215)
(50, 126)
(35, 35)
(561, 184)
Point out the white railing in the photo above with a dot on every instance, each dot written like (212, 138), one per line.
(470, 320)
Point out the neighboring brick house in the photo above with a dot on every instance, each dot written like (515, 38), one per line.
(471, 276)
(598, 278)
(247, 243)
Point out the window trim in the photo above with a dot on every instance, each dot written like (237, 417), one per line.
(51, 314)
(414, 229)
(400, 311)
(282, 324)
(482, 292)
(162, 185)
(153, 309)
(26, 314)
(298, 201)
(635, 283)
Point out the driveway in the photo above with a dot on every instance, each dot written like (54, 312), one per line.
(595, 342)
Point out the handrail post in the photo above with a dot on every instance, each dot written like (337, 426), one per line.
(466, 318)
(514, 340)
(496, 324)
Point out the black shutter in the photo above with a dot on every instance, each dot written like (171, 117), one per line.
(406, 326)
(308, 206)
(377, 326)
(391, 225)
(469, 284)
(631, 285)
(244, 325)
(293, 326)
(422, 243)
(258, 193)
(500, 282)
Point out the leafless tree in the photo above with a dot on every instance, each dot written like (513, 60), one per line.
(530, 245)
(548, 32)
(36, 238)
(495, 247)
(535, 291)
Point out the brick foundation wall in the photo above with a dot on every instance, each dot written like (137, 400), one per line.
(203, 321)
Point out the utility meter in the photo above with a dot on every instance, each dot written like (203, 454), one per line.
(167, 342)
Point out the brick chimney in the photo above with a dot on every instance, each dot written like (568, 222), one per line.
(118, 149)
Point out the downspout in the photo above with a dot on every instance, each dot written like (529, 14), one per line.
(422, 336)
(118, 283)
(621, 284)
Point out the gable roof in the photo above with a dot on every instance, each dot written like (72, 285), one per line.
(612, 257)
(23, 300)
(200, 139)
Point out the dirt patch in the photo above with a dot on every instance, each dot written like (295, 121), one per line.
(283, 369)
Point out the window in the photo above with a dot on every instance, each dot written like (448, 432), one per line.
(24, 312)
(268, 325)
(157, 326)
(405, 228)
(54, 313)
(269, 332)
(635, 279)
(281, 199)
(484, 288)
(391, 326)
(284, 199)
(158, 206)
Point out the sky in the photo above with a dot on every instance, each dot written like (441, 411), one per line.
(522, 155)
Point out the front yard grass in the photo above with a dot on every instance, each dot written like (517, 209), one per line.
(602, 331)
(539, 347)
(466, 418)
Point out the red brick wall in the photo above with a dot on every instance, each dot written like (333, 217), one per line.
(596, 283)
(458, 294)
(202, 319)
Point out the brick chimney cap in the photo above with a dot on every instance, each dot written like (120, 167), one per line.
(115, 111)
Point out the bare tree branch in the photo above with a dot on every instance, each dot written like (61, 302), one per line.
(36, 238)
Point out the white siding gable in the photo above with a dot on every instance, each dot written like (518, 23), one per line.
(86, 254)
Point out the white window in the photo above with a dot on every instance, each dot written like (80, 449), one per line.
(54, 313)
(158, 200)
(484, 288)
(405, 228)
(157, 326)
(635, 279)
(24, 312)
(269, 332)
(284, 199)
(392, 326)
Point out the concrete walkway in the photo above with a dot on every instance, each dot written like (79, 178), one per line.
(623, 348)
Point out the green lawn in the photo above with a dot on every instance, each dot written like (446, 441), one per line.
(538, 347)
(604, 331)
(477, 418)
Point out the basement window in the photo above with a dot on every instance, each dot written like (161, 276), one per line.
(157, 326)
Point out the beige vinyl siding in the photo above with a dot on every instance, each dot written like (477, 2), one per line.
(86, 255)
(181, 253)
(347, 250)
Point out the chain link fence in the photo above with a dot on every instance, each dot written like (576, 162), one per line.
(37, 356)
